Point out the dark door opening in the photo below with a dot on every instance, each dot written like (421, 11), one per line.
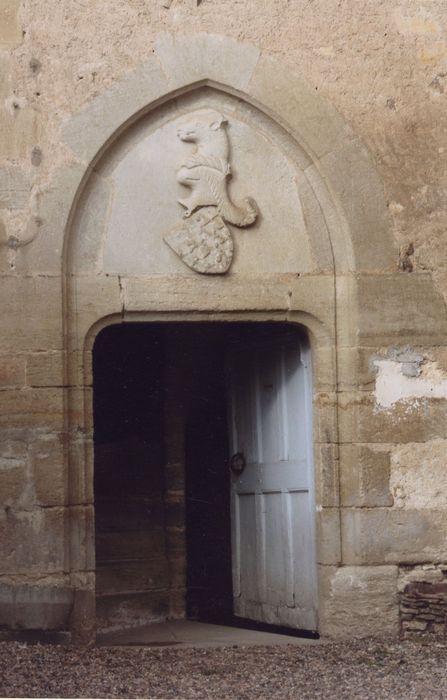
(162, 477)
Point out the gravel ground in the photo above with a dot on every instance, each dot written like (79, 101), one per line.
(360, 669)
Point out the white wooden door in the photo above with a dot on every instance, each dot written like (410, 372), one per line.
(272, 502)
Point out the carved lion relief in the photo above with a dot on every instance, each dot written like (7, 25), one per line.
(203, 240)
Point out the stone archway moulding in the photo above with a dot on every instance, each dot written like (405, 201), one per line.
(181, 62)
(344, 181)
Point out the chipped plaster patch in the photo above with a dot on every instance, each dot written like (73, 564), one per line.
(404, 376)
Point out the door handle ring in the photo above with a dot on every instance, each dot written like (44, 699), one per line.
(237, 463)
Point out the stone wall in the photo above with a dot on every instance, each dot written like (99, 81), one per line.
(362, 91)
(423, 600)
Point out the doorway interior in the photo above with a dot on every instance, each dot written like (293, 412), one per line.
(163, 487)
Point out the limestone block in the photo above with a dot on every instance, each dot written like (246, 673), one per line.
(355, 368)
(325, 423)
(48, 469)
(34, 408)
(5, 78)
(96, 298)
(88, 130)
(79, 409)
(364, 476)
(348, 308)
(14, 445)
(321, 128)
(89, 227)
(81, 533)
(314, 202)
(80, 466)
(340, 256)
(362, 420)
(83, 614)
(14, 473)
(314, 295)
(44, 369)
(418, 477)
(13, 482)
(188, 59)
(83, 359)
(15, 187)
(31, 318)
(12, 371)
(21, 128)
(328, 536)
(194, 293)
(32, 541)
(54, 204)
(420, 317)
(358, 189)
(381, 536)
(326, 475)
(10, 26)
(43, 607)
(358, 601)
(323, 368)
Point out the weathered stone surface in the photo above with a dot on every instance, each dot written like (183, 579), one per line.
(188, 60)
(12, 371)
(81, 537)
(101, 297)
(42, 607)
(32, 541)
(343, 190)
(359, 601)
(355, 368)
(380, 536)
(13, 481)
(88, 130)
(364, 476)
(327, 475)
(53, 209)
(45, 369)
(219, 294)
(10, 25)
(322, 128)
(14, 188)
(20, 128)
(423, 599)
(362, 421)
(48, 470)
(419, 316)
(26, 302)
(328, 537)
(42, 408)
(418, 475)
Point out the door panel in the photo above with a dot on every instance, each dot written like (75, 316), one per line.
(272, 500)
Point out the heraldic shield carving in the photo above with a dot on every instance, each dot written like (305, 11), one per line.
(203, 239)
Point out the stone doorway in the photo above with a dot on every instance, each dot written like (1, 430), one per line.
(162, 478)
